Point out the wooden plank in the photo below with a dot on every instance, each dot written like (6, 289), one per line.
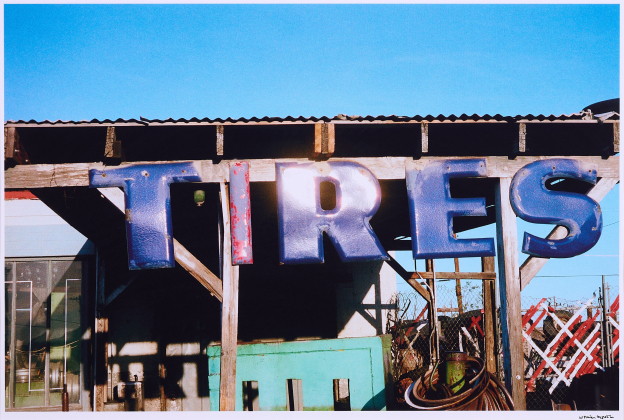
(533, 265)
(454, 275)
(616, 137)
(522, 138)
(408, 277)
(424, 137)
(220, 140)
(229, 314)
(198, 270)
(511, 316)
(112, 147)
(182, 255)
(263, 170)
(324, 139)
(489, 314)
(458, 291)
(13, 149)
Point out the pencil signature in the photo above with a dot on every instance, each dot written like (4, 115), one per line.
(608, 416)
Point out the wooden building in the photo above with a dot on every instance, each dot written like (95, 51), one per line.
(154, 326)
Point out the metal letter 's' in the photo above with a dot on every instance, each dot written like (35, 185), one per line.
(240, 214)
(432, 210)
(148, 208)
(535, 203)
(302, 221)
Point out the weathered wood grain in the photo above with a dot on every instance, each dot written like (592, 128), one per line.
(424, 137)
(489, 314)
(409, 278)
(454, 275)
(229, 313)
(220, 140)
(511, 316)
(263, 170)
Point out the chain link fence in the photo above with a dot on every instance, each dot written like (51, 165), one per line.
(546, 387)
(460, 322)
(461, 326)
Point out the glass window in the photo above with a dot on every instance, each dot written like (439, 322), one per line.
(46, 332)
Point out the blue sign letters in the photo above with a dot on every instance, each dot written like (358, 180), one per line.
(533, 202)
(302, 221)
(432, 210)
(148, 208)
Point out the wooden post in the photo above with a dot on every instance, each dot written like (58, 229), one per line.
(220, 140)
(324, 139)
(229, 315)
(509, 278)
(100, 345)
(458, 290)
(424, 137)
(489, 315)
(522, 138)
(433, 313)
(13, 149)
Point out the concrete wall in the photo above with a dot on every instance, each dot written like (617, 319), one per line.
(362, 305)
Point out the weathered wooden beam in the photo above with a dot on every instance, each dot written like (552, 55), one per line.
(112, 147)
(458, 290)
(489, 315)
(198, 270)
(511, 316)
(522, 138)
(409, 278)
(324, 139)
(616, 137)
(229, 313)
(424, 137)
(533, 265)
(182, 255)
(263, 170)
(13, 148)
(220, 140)
(454, 275)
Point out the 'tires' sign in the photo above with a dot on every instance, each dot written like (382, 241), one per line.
(302, 220)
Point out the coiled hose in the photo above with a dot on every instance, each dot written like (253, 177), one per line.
(485, 392)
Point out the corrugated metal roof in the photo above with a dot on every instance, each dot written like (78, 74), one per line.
(340, 118)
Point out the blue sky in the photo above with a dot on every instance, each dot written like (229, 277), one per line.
(159, 61)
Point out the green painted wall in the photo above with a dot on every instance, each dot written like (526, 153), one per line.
(364, 361)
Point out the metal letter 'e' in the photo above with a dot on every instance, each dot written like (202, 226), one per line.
(148, 208)
(302, 221)
(432, 209)
(532, 201)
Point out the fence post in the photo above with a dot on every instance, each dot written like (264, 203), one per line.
(489, 315)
